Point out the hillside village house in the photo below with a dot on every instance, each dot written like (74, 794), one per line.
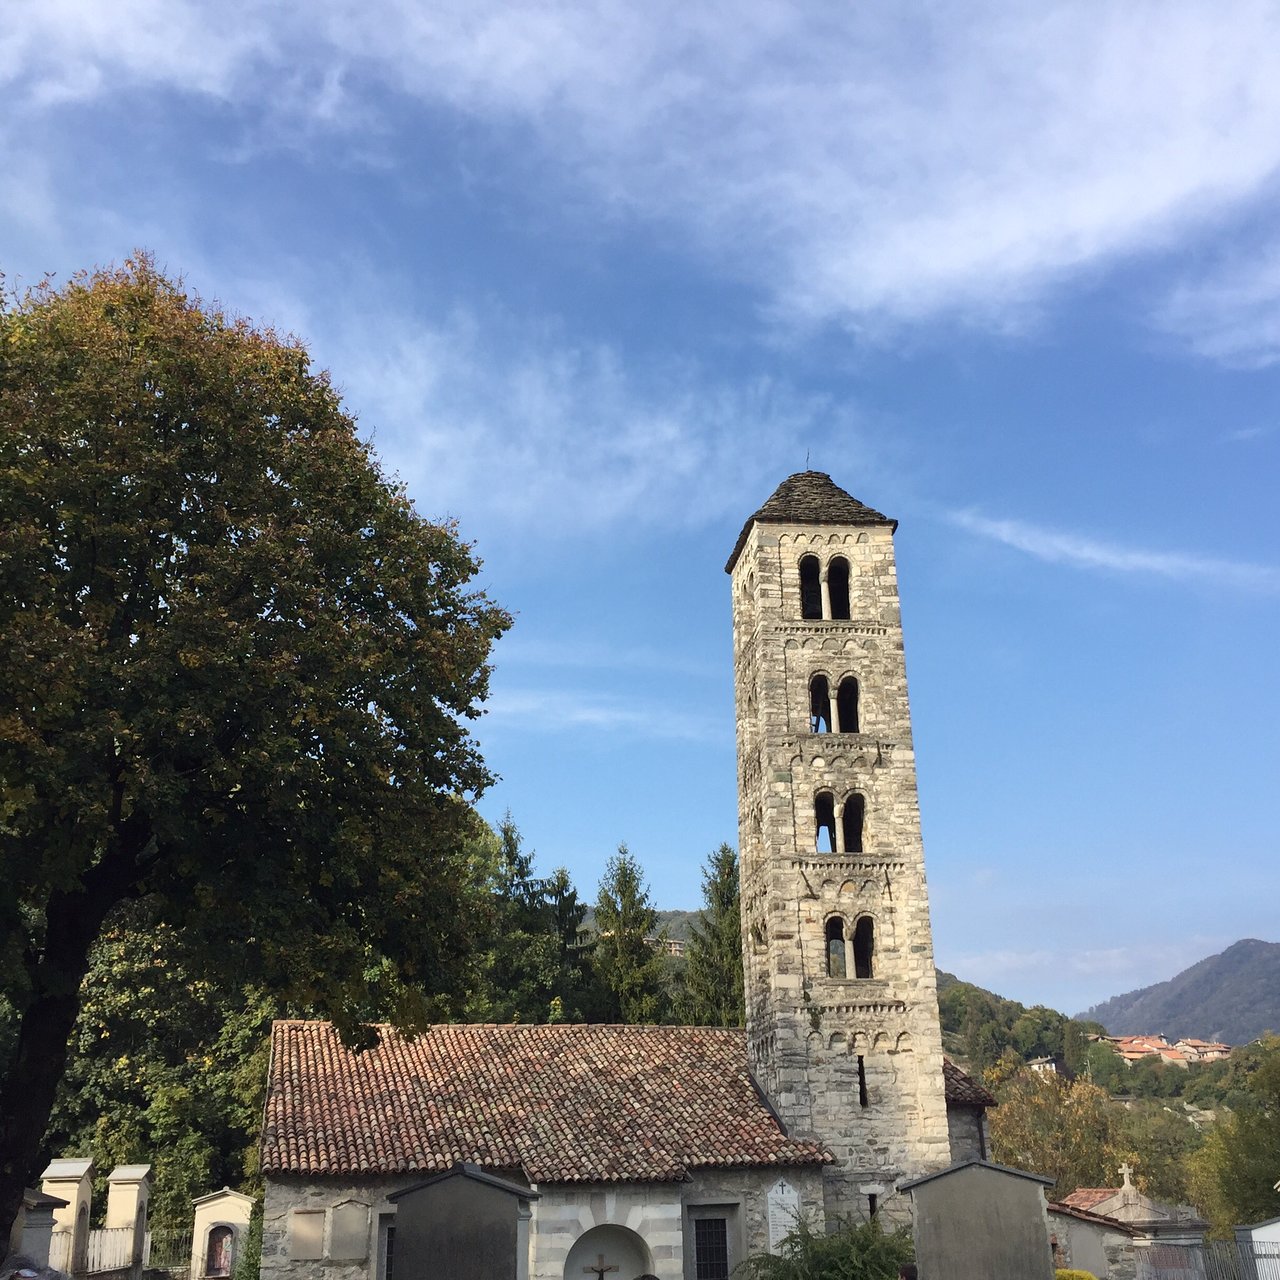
(676, 1151)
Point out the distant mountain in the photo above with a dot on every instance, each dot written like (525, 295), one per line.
(1233, 997)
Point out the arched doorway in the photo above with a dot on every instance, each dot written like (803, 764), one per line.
(608, 1246)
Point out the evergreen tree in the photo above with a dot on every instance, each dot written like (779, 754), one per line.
(534, 968)
(712, 993)
(575, 979)
(628, 968)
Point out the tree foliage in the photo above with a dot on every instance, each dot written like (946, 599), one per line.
(629, 970)
(165, 1068)
(861, 1251)
(1067, 1131)
(712, 990)
(1233, 1175)
(238, 669)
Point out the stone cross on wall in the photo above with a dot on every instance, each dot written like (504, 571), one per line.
(600, 1269)
(1125, 1171)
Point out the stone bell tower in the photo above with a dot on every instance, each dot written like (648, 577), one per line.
(842, 1009)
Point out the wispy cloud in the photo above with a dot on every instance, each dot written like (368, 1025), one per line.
(871, 165)
(551, 711)
(1083, 552)
(1230, 313)
(485, 416)
(1113, 970)
(515, 650)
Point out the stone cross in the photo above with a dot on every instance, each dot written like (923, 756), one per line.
(1125, 1171)
(600, 1268)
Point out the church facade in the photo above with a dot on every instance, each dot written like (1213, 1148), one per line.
(675, 1152)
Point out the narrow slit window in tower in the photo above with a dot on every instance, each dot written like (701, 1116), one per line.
(847, 705)
(819, 705)
(810, 588)
(851, 823)
(824, 815)
(873, 1204)
(835, 949)
(864, 946)
(862, 1081)
(838, 587)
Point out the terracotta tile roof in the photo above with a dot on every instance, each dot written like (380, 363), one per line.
(963, 1090)
(809, 497)
(1086, 1197)
(560, 1103)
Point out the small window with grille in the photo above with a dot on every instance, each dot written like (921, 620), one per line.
(711, 1248)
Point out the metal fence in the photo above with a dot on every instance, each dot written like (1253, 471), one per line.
(1212, 1260)
(168, 1251)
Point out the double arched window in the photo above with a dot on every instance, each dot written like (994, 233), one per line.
(854, 955)
(833, 713)
(824, 593)
(838, 829)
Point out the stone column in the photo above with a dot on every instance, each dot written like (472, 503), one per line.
(128, 1193)
(71, 1181)
(835, 710)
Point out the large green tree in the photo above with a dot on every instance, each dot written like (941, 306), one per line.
(712, 991)
(628, 968)
(238, 666)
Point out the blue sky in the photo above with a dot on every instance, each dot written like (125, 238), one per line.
(596, 277)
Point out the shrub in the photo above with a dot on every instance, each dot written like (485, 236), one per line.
(860, 1251)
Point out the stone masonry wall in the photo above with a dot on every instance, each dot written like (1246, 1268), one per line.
(807, 1031)
(283, 1196)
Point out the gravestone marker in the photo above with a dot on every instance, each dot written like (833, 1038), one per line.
(463, 1225)
(981, 1219)
(783, 1202)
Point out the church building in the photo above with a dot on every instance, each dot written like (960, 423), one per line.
(676, 1152)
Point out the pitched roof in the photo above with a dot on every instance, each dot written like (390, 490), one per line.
(809, 497)
(1073, 1211)
(1003, 1169)
(565, 1103)
(1086, 1197)
(963, 1090)
(560, 1103)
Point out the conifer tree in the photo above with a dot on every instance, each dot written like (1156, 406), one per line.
(628, 968)
(712, 994)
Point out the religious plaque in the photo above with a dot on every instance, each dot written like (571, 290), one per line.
(784, 1208)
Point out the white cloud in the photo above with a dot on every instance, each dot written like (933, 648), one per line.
(868, 164)
(1083, 552)
(548, 711)
(1114, 970)
(501, 423)
(1231, 314)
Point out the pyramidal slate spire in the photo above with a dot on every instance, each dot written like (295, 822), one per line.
(809, 497)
